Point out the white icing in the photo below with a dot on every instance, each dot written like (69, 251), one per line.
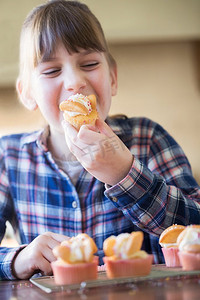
(168, 245)
(120, 245)
(82, 100)
(80, 248)
(73, 113)
(191, 237)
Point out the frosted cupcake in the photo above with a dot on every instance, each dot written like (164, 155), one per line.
(168, 242)
(189, 247)
(75, 260)
(123, 256)
(79, 110)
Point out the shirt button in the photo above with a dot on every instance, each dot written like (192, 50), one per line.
(114, 199)
(74, 204)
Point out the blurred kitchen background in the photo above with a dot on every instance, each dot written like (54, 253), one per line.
(157, 47)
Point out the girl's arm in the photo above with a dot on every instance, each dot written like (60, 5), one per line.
(160, 189)
(153, 193)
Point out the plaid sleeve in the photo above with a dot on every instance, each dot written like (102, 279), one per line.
(6, 254)
(160, 193)
(6, 259)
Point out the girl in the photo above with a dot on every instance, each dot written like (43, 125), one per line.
(119, 176)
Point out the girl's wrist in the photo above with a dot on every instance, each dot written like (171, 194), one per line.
(126, 169)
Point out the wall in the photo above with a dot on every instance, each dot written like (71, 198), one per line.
(157, 80)
(122, 21)
(162, 81)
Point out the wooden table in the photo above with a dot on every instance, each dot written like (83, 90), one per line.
(176, 288)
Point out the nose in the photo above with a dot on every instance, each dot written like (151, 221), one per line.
(74, 80)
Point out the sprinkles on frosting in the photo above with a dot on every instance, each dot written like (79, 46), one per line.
(81, 99)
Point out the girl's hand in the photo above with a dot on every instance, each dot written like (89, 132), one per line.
(37, 256)
(100, 151)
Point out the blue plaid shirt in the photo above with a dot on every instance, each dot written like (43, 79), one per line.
(36, 196)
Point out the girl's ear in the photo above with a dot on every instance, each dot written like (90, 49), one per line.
(113, 75)
(25, 97)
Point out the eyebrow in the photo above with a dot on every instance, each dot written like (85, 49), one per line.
(47, 59)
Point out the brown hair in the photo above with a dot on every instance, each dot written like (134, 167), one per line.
(68, 22)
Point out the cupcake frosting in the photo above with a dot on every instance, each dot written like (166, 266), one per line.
(169, 245)
(79, 98)
(76, 249)
(191, 237)
(122, 247)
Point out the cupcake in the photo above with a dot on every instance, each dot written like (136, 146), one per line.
(75, 260)
(123, 256)
(79, 110)
(189, 247)
(168, 242)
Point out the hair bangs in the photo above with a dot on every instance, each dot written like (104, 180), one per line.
(74, 31)
(70, 23)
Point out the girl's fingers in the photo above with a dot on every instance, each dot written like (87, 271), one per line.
(48, 241)
(48, 256)
(104, 128)
(90, 142)
(67, 126)
(58, 237)
(44, 266)
(71, 136)
(90, 136)
(37, 255)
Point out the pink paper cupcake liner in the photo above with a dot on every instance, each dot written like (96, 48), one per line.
(128, 267)
(171, 257)
(74, 273)
(190, 261)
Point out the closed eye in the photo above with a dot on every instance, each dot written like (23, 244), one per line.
(51, 73)
(90, 65)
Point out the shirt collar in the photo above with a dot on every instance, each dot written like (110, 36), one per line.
(38, 137)
(119, 124)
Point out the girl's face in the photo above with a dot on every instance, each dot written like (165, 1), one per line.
(64, 74)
